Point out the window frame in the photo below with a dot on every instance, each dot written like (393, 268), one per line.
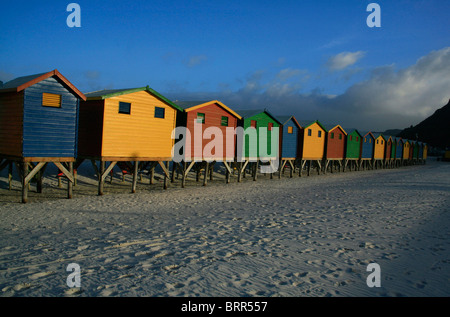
(49, 103)
(222, 121)
(163, 112)
(125, 103)
(201, 115)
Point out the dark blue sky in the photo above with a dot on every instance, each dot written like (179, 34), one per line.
(314, 59)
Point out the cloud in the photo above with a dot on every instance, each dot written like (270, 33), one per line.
(195, 60)
(343, 60)
(388, 98)
(92, 74)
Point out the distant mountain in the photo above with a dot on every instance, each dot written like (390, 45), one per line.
(392, 132)
(434, 130)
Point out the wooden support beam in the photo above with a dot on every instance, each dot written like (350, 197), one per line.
(24, 168)
(70, 183)
(134, 184)
(10, 170)
(63, 169)
(40, 176)
(283, 163)
(205, 176)
(3, 164)
(291, 163)
(255, 170)
(100, 172)
(227, 172)
(33, 172)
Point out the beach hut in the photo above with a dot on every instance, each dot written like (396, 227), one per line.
(312, 145)
(38, 125)
(201, 120)
(130, 128)
(424, 152)
(406, 151)
(398, 151)
(416, 151)
(412, 144)
(388, 150)
(260, 140)
(352, 149)
(334, 147)
(367, 150)
(379, 150)
(290, 134)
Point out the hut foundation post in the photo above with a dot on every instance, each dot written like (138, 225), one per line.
(135, 172)
(211, 171)
(166, 173)
(183, 174)
(24, 167)
(174, 165)
(239, 165)
(10, 169)
(101, 180)
(205, 176)
(69, 182)
(255, 170)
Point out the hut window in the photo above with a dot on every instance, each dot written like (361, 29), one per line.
(160, 112)
(124, 107)
(253, 124)
(340, 136)
(309, 132)
(51, 100)
(382, 142)
(357, 139)
(332, 135)
(270, 126)
(370, 140)
(320, 134)
(224, 121)
(377, 141)
(351, 137)
(290, 130)
(200, 117)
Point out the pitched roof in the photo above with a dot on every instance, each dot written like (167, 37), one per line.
(20, 83)
(365, 133)
(253, 112)
(285, 119)
(109, 93)
(330, 127)
(306, 123)
(193, 105)
(351, 130)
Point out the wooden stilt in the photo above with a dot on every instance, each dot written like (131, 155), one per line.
(70, 182)
(10, 170)
(205, 176)
(101, 180)
(24, 167)
(135, 172)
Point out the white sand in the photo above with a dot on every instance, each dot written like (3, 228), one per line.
(309, 236)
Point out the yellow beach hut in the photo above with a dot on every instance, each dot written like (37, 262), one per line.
(121, 126)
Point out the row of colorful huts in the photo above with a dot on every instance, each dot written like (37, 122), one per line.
(45, 119)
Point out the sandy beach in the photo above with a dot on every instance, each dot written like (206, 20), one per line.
(299, 237)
